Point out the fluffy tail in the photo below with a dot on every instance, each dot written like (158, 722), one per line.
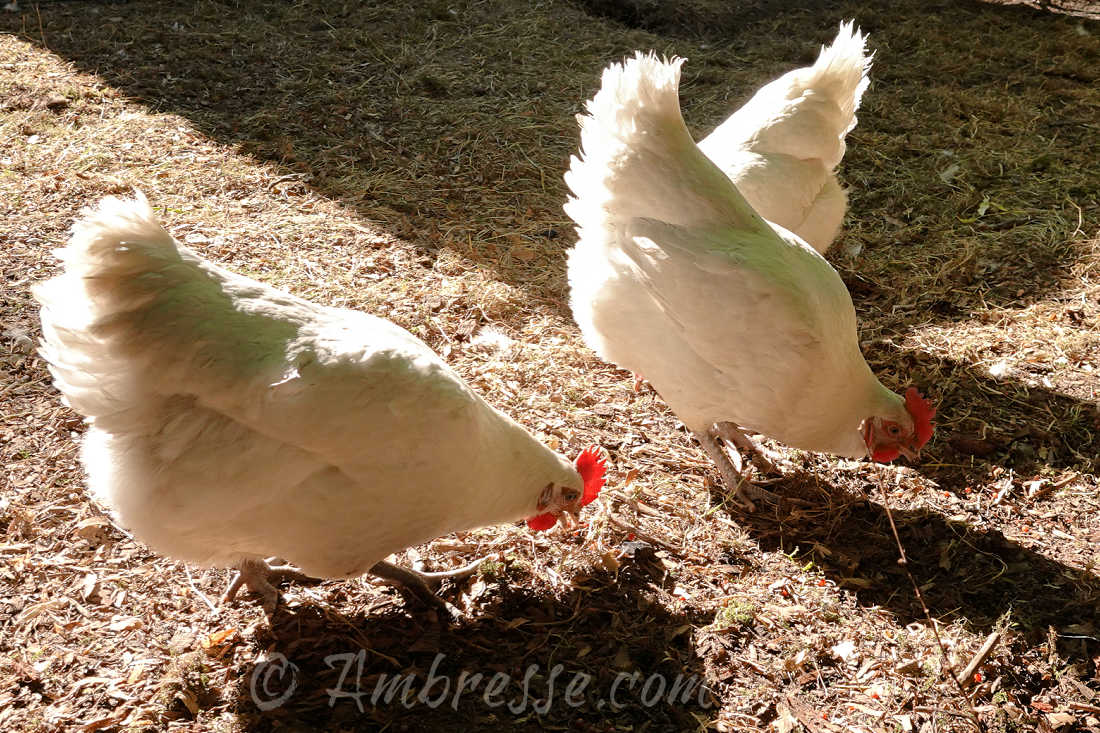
(805, 113)
(116, 259)
(841, 73)
(639, 160)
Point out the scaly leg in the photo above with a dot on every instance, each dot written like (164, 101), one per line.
(259, 577)
(429, 581)
(733, 434)
(423, 585)
(731, 476)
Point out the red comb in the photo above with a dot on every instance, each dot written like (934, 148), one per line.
(922, 412)
(591, 466)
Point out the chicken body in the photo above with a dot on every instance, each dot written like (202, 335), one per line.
(674, 276)
(781, 148)
(230, 421)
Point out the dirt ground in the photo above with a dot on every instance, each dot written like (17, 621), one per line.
(406, 159)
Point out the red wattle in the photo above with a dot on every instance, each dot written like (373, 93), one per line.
(542, 522)
(885, 455)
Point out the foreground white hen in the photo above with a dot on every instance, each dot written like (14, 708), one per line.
(736, 325)
(781, 148)
(231, 421)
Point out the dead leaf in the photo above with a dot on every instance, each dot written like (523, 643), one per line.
(93, 529)
(910, 668)
(797, 662)
(1061, 720)
(218, 643)
(55, 102)
(100, 723)
(784, 722)
(609, 561)
(89, 586)
(189, 701)
(972, 446)
(136, 674)
(125, 623)
(523, 254)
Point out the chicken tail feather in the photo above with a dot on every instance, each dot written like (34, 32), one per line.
(841, 72)
(639, 160)
(117, 253)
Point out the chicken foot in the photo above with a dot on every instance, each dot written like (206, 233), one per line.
(259, 577)
(741, 487)
(730, 432)
(424, 585)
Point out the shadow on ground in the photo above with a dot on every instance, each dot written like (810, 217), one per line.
(379, 106)
(451, 123)
(594, 633)
(1010, 433)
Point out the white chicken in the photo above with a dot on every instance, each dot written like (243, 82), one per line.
(737, 325)
(230, 421)
(781, 149)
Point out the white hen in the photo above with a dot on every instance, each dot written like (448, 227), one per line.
(676, 277)
(782, 147)
(230, 421)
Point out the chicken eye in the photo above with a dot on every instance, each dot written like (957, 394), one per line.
(570, 495)
(893, 430)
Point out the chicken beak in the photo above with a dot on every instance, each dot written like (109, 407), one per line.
(568, 519)
(910, 453)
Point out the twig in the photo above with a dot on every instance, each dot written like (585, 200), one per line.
(199, 593)
(904, 562)
(41, 29)
(980, 657)
(295, 177)
(1052, 486)
(651, 539)
(808, 717)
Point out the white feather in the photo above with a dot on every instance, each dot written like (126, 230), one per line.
(230, 420)
(782, 147)
(676, 278)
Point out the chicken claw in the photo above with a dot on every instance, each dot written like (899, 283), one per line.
(733, 479)
(424, 585)
(733, 434)
(259, 576)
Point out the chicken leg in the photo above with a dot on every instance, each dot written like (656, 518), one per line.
(424, 585)
(741, 487)
(259, 576)
(730, 432)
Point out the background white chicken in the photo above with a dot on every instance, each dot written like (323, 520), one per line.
(231, 422)
(781, 148)
(735, 324)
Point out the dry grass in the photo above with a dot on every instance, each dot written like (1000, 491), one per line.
(406, 159)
